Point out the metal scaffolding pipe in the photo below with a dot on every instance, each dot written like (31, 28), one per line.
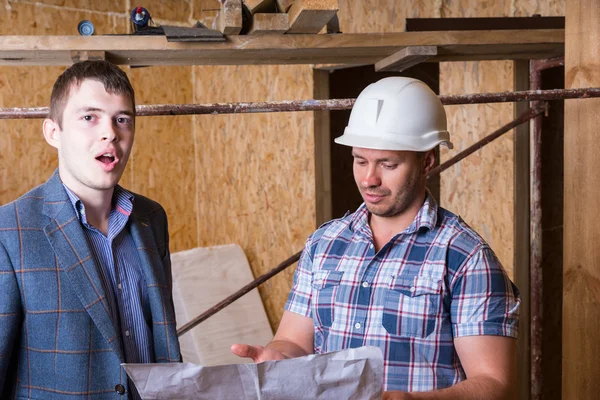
(316, 105)
(227, 301)
(527, 115)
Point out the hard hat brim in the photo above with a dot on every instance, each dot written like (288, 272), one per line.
(378, 143)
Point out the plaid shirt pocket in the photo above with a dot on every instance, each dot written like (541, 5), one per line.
(325, 284)
(411, 306)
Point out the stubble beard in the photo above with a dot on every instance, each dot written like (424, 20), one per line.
(403, 200)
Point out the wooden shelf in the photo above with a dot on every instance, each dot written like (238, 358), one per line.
(283, 49)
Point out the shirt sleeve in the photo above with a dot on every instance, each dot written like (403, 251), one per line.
(484, 300)
(299, 299)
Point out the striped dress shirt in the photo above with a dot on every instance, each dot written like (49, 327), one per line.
(431, 283)
(122, 279)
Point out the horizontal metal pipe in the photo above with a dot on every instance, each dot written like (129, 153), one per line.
(316, 105)
(227, 301)
(527, 115)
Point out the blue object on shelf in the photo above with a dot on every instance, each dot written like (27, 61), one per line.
(85, 28)
(140, 17)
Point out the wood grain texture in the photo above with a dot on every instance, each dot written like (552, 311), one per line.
(480, 187)
(229, 20)
(260, 6)
(581, 279)
(255, 172)
(406, 58)
(263, 23)
(284, 5)
(310, 16)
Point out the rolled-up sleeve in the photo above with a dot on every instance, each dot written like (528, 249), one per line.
(484, 299)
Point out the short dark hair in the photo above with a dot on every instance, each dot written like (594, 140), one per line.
(113, 78)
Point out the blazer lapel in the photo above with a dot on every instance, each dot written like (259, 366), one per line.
(163, 314)
(68, 240)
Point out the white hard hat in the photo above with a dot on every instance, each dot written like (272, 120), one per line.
(397, 113)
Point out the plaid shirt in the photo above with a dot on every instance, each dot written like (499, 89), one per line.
(433, 282)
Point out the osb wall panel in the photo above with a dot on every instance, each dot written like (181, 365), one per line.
(481, 188)
(26, 160)
(547, 8)
(366, 16)
(255, 172)
(162, 164)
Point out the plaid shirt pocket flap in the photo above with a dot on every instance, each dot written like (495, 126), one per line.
(325, 283)
(411, 305)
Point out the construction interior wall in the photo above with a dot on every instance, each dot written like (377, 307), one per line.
(250, 179)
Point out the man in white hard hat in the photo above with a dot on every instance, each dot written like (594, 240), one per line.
(402, 273)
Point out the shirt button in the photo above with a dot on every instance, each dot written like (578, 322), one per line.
(120, 389)
(119, 286)
(371, 246)
(127, 333)
(365, 284)
(357, 325)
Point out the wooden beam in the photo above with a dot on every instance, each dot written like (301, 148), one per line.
(263, 23)
(521, 149)
(366, 48)
(284, 5)
(77, 56)
(406, 58)
(229, 20)
(260, 6)
(581, 274)
(322, 140)
(310, 16)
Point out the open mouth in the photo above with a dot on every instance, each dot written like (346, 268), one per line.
(106, 158)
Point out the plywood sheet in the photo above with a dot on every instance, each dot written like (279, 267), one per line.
(255, 172)
(202, 277)
(480, 187)
(368, 16)
(17, 20)
(162, 164)
(546, 8)
(113, 6)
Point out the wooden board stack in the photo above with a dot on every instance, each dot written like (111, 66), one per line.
(258, 17)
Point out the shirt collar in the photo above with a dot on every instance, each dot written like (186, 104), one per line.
(425, 218)
(122, 201)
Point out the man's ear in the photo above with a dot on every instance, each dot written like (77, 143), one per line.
(429, 161)
(51, 133)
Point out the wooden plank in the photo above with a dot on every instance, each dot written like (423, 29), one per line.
(229, 20)
(260, 6)
(406, 58)
(284, 5)
(521, 232)
(322, 128)
(187, 34)
(77, 56)
(263, 23)
(365, 48)
(336, 67)
(310, 16)
(581, 283)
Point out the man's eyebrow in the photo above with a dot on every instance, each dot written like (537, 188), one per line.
(378, 160)
(96, 109)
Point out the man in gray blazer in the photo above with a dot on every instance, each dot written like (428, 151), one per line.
(85, 272)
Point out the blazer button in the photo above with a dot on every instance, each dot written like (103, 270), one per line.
(120, 389)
